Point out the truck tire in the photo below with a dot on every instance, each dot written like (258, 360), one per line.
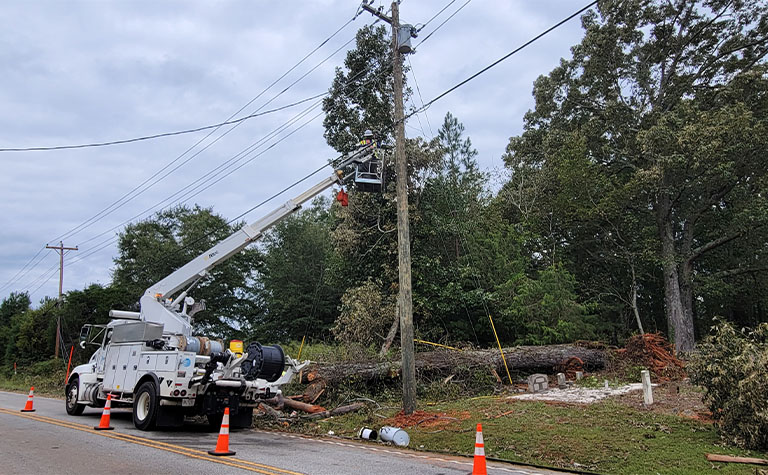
(214, 421)
(145, 406)
(243, 419)
(72, 394)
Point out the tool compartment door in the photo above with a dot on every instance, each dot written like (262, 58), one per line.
(131, 372)
(111, 369)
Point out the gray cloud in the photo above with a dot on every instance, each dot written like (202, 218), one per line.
(82, 71)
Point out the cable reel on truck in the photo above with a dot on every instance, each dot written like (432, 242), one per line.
(265, 362)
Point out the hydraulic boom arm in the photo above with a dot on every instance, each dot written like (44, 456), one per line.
(156, 303)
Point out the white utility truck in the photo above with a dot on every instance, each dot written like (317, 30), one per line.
(151, 361)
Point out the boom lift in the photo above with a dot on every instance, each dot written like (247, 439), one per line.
(150, 360)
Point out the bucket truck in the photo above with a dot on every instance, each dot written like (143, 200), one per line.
(151, 361)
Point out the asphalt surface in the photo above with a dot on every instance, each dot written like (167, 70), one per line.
(50, 441)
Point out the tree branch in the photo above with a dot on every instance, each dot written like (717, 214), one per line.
(696, 253)
(734, 272)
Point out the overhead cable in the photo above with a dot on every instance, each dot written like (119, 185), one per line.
(506, 56)
(215, 127)
(443, 23)
(193, 130)
(17, 276)
(130, 194)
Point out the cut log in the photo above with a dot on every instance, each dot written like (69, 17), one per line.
(730, 458)
(313, 391)
(302, 406)
(442, 363)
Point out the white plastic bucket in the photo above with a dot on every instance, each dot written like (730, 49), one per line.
(394, 434)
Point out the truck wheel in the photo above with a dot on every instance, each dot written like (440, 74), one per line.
(73, 408)
(145, 406)
(214, 421)
(243, 419)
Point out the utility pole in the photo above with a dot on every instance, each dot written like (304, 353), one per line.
(61, 250)
(401, 43)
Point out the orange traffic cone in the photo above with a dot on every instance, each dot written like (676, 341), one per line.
(104, 423)
(28, 407)
(479, 467)
(222, 444)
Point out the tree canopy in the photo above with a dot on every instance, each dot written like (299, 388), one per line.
(635, 199)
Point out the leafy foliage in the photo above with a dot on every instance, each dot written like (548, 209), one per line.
(365, 314)
(732, 366)
(295, 276)
(664, 104)
(152, 249)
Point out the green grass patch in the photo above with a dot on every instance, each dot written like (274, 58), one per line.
(606, 437)
(46, 376)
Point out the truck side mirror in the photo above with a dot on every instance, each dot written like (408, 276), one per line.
(84, 333)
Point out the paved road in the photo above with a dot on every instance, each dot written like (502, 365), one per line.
(50, 441)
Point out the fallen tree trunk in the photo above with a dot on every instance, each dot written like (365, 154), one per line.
(524, 359)
(336, 412)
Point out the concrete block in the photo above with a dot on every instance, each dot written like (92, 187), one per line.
(537, 383)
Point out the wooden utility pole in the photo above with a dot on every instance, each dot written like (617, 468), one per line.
(405, 299)
(61, 250)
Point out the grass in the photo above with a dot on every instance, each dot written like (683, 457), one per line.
(46, 376)
(606, 437)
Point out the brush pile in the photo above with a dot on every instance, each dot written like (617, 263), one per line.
(654, 352)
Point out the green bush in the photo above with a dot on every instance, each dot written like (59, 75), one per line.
(732, 367)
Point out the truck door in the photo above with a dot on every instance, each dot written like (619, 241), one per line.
(101, 359)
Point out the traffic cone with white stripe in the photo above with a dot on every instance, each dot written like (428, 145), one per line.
(479, 468)
(28, 407)
(222, 444)
(104, 423)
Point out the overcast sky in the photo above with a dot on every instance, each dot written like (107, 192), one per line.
(77, 72)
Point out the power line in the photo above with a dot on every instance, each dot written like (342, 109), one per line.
(13, 279)
(426, 116)
(110, 241)
(165, 134)
(443, 23)
(215, 127)
(212, 174)
(506, 56)
(197, 129)
(436, 15)
(125, 198)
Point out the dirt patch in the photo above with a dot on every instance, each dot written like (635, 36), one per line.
(426, 419)
(679, 398)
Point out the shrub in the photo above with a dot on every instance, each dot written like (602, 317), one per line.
(366, 314)
(732, 367)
